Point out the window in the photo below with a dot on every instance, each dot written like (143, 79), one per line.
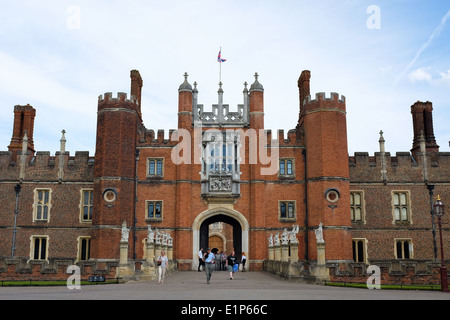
(401, 206)
(220, 153)
(87, 198)
(287, 210)
(286, 168)
(221, 156)
(154, 210)
(84, 248)
(39, 247)
(359, 250)
(155, 167)
(403, 248)
(356, 206)
(42, 204)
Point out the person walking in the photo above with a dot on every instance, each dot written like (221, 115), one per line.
(243, 260)
(163, 263)
(224, 261)
(218, 260)
(208, 258)
(231, 260)
(201, 262)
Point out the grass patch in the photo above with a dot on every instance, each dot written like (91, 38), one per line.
(428, 287)
(56, 283)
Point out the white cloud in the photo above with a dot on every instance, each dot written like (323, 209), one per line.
(424, 46)
(435, 79)
(420, 74)
(445, 77)
(62, 71)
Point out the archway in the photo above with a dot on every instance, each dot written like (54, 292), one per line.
(237, 232)
(234, 218)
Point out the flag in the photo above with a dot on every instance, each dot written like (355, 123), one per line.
(219, 57)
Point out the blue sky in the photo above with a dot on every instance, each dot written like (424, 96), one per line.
(59, 56)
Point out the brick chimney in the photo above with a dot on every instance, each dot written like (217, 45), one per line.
(23, 122)
(422, 114)
(136, 87)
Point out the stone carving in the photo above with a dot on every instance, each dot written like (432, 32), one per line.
(270, 240)
(169, 240)
(293, 234)
(220, 184)
(158, 237)
(319, 234)
(284, 236)
(164, 238)
(220, 113)
(125, 232)
(277, 239)
(151, 235)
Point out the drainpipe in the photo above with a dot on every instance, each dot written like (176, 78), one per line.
(16, 212)
(430, 188)
(135, 204)
(306, 208)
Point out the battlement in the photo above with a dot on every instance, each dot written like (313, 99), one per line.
(121, 96)
(160, 138)
(281, 138)
(321, 96)
(401, 167)
(44, 167)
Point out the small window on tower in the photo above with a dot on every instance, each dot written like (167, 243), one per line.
(287, 211)
(155, 167)
(154, 210)
(286, 168)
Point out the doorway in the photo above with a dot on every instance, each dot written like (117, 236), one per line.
(238, 237)
(216, 242)
(237, 233)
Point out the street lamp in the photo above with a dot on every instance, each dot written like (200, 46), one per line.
(439, 211)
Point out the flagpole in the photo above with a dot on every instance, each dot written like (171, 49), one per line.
(220, 66)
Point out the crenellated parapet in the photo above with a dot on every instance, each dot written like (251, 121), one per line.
(334, 102)
(119, 102)
(403, 167)
(45, 167)
(280, 138)
(159, 138)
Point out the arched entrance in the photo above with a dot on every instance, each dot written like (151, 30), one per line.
(237, 232)
(234, 218)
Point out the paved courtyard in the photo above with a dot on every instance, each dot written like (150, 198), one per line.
(191, 285)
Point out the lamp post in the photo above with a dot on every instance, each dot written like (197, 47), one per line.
(16, 212)
(439, 211)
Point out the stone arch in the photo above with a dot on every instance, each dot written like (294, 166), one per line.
(220, 213)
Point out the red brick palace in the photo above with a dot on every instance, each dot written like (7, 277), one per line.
(222, 179)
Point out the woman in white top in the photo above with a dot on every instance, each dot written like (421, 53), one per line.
(163, 263)
(243, 260)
